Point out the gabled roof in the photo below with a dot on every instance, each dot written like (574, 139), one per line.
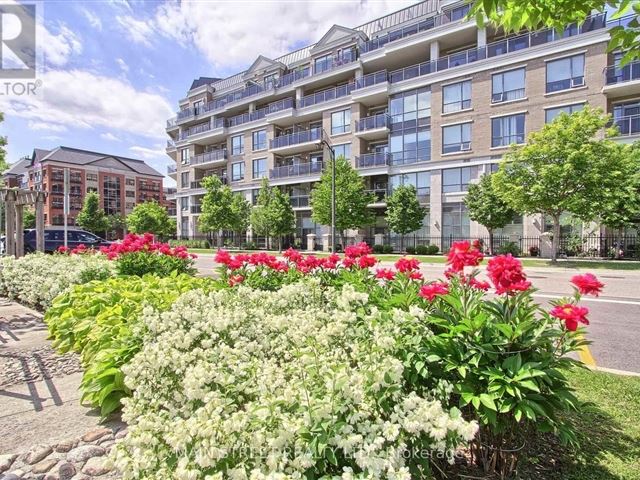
(263, 64)
(198, 82)
(19, 168)
(337, 35)
(76, 156)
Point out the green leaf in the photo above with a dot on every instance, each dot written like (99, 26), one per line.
(487, 401)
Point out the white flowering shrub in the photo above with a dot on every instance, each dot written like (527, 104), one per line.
(36, 279)
(304, 382)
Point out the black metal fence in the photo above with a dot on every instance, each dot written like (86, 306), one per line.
(600, 246)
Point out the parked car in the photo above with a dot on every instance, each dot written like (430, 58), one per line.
(54, 238)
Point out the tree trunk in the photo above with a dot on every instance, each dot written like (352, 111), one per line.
(341, 241)
(280, 243)
(402, 243)
(555, 243)
(219, 238)
(619, 246)
(491, 252)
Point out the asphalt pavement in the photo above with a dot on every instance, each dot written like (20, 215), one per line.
(614, 328)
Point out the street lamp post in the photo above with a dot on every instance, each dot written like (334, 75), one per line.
(332, 153)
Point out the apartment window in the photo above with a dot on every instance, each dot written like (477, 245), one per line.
(130, 182)
(410, 145)
(626, 116)
(507, 86)
(197, 107)
(111, 195)
(270, 81)
(184, 156)
(340, 122)
(565, 73)
(455, 222)
(456, 138)
(260, 168)
(343, 150)
(420, 180)
(237, 145)
(411, 108)
(92, 190)
(92, 177)
(456, 179)
(184, 180)
(237, 171)
(259, 140)
(550, 114)
(322, 64)
(184, 204)
(507, 130)
(130, 194)
(456, 96)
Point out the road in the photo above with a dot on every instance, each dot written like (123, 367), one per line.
(615, 315)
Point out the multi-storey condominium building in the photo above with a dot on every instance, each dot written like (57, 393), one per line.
(121, 182)
(422, 96)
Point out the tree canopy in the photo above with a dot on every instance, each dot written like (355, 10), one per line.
(404, 212)
(221, 209)
(151, 217)
(92, 217)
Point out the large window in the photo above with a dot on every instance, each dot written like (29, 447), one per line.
(184, 156)
(184, 203)
(410, 139)
(259, 168)
(456, 179)
(259, 140)
(456, 96)
(455, 223)
(340, 122)
(626, 117)
(343, 150)
(507, 86)
(507, 130)
(456, 138)
(111, 195)
(323, 63)
(237, 171)
(412, 107)
(550, 114)
(420, 180)
(565, 73)
(184, 180)
(237, 145)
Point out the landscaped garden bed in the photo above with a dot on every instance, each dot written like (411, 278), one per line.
(310, 367)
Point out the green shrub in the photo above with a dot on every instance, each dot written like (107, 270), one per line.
(510, 247)
(432, 249)
(411, 250)
(250, 246)
(141, 263)
(387, 249)
(99, 320)
(378, 249)
(204, 244)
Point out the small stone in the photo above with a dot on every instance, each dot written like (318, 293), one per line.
(37, 453)
(122, 433)
(80, 476)
(95, 434)
(66, 471)
(107, 445)
(51, 476)
(16, 474)
(44, 466)
(65, 446)
(96, 466)
(6, 461)
(84, 453)
(106, 439)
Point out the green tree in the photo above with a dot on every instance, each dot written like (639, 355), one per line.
(260, 219)
(562, 168)
(487, 208)
(404, 212)
(514, 15)
(281, 214)
(29, 218)
(222, 209)
(116, 222)
(92, 217)
(3, 152)
(151, 217)
(352, 198)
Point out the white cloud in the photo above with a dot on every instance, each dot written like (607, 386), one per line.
(253, 28)
(52, 127)
(109, 137)
(148, 153)
(122, 64)
(92, 18)
(59, 47)
(138, 31)
(81, 99)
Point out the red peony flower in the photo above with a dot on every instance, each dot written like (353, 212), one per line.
(235, 280)
(63, 249)
(587, 284)
(331, 261)
(367, 261)
(478, 284)
(407, 264)
(463, 254)
(292, 255)
(348, 262)
(505, 272)
(571, 315)
(357, 250)
(433, 290)
(385, 274)
(415, 275)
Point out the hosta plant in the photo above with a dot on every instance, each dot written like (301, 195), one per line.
(100, 321)
(305, 382)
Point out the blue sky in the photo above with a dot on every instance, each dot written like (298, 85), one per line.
(113, 71)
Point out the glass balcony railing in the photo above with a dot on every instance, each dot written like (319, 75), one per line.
(422, 154)
(379, 194)
(207, 157)
(172, 122)
(348, 56)
(374, 159)
(629, 125)
(294, 76)
(171, 144)
(299, 201)
(296, 170)
(202, 127)
(614, 74)
(326, 95)
(196, 184)
(246, 117)
(280, 105)
(296, 138)
(371, 79)
(381, 120)
(495, 49)
(409, 30)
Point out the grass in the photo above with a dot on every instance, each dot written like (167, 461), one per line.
(527, 262)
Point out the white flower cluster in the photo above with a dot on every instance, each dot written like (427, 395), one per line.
(247, 384)
(36, 279)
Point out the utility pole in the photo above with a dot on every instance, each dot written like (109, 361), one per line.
(66, 204)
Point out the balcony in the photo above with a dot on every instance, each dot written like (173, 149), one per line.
(300, 201)
(172, 169)
(326, 95)
(380, 195)
(374, 127)
(214, 124)
(296, 142)
(372, 89)
(280, 105)
(292, 77)
(495, 49)
(373, 160)
(410, 157)
(628, 126)
(415, 28)
(172, 123)
(196, 209)
(622, 81)
(297, 170)
(247, 117)
(209, 157)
